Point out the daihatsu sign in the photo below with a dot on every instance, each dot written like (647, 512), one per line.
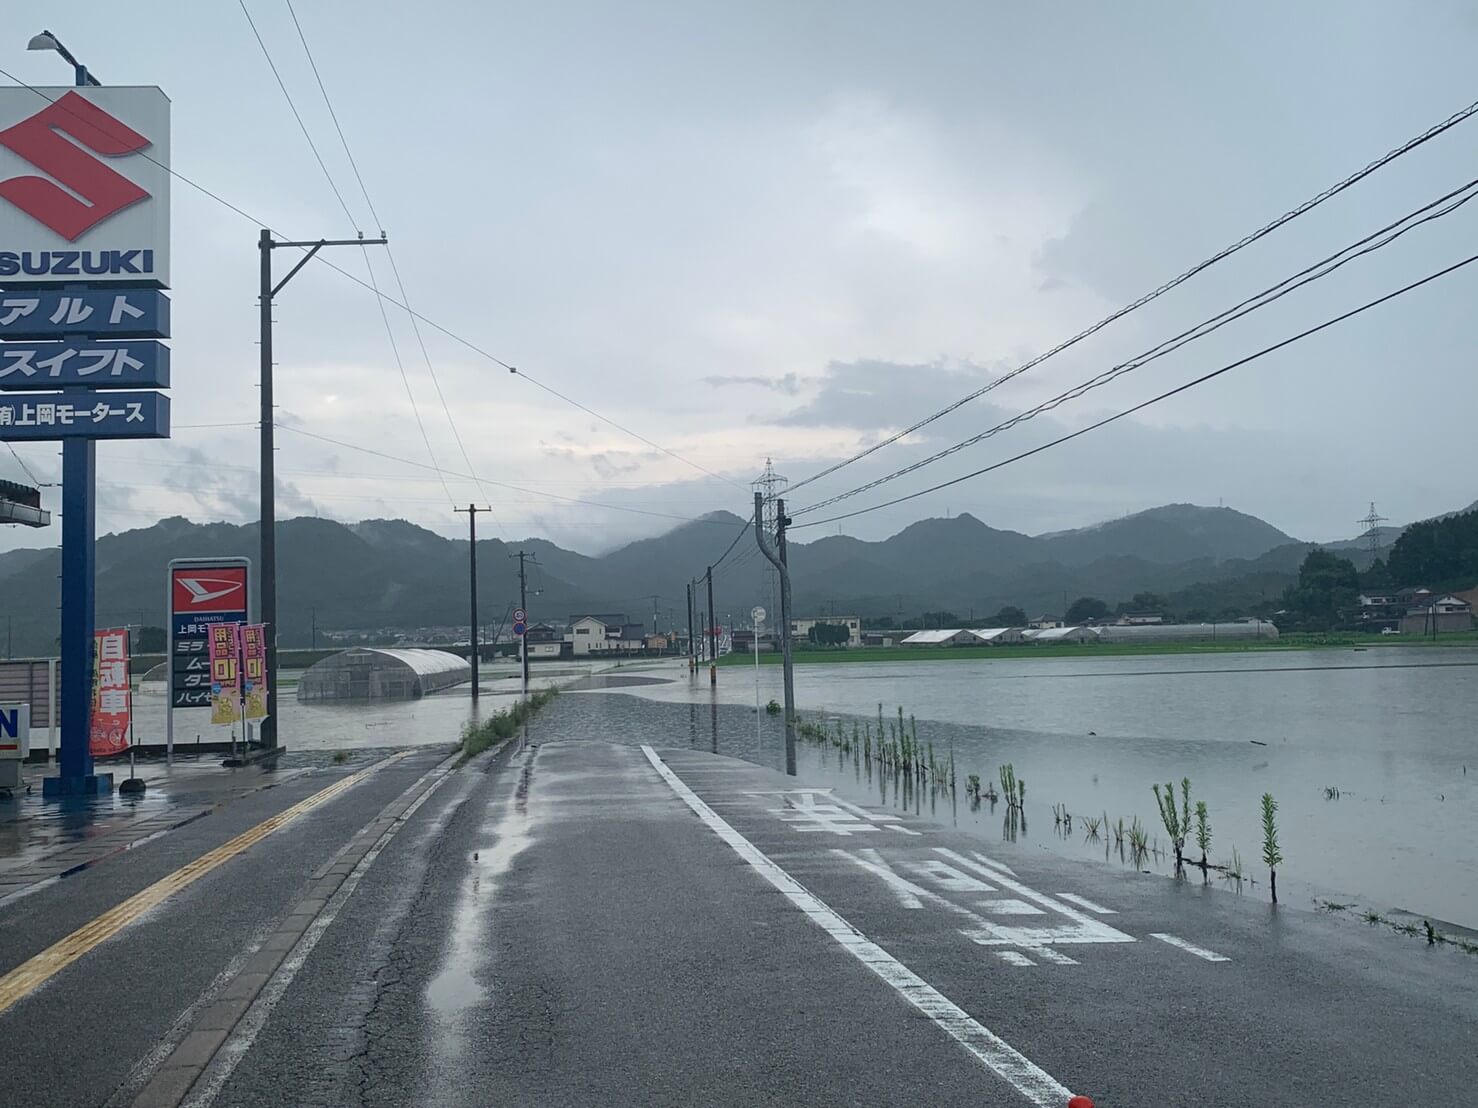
(84, 186)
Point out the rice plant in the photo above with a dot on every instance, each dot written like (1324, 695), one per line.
(1092, 825)
(1139, 840)
(1272, 857)
(1203, 831)
(1177, 821)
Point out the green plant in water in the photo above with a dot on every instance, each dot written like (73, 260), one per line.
(1176, 821)
(1139, 840)
(972, 786)
(1272, 857)
(1093, 825)
(340, 757)
(1008, 784)
(1203, 831)
(772, 708)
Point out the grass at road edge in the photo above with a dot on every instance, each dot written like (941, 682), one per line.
(502, 725)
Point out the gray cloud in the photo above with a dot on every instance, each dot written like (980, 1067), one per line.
(790, 384)
(873, 395)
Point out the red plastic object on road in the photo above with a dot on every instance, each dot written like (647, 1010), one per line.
(1080, 1102)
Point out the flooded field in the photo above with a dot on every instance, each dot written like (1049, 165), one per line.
(1394, 731)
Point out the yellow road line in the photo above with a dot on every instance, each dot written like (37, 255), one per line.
(36, 971)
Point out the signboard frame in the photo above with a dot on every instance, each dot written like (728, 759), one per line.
(245, 615)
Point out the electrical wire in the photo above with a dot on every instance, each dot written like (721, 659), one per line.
(1247, 240)
(394, 267)
(27, 469)
(321, 259)
(1154, 399)
(368, 265)
(327, 176)
(1376, 240)
(498, 484)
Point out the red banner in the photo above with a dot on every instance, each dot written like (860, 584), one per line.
(112, 694)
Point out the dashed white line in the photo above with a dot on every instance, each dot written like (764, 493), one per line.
(1014, 958)
(1019, 1071)
(1189, 948)
(1084, 902)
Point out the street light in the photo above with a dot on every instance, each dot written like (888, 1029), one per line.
(48, 41)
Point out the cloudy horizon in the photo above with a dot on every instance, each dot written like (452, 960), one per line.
(786, 232)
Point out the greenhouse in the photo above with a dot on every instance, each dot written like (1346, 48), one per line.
(376, 673)
(1237, 631)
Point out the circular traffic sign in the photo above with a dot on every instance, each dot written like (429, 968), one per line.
(520, 628)
(520, 616)
(758, 615)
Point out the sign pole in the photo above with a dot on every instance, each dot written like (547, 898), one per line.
(79, 527)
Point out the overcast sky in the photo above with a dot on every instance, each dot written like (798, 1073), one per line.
(787, 230)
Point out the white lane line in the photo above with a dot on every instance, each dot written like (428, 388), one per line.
(209, 1084)
(1014, 958)
(1084, 902)
(1019, 1071)
(1189, 948)
(871, 859)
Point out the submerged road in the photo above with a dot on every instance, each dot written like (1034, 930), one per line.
(573, 922)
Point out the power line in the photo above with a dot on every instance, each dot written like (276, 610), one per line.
(390, 253)
(468, 343)
(1154, 399)
(1247, 240)
(368, 265)
(497, 484)
(327, 176)
(1318, 270)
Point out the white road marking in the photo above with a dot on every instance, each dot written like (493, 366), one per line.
(947, 877)
(1189, 948)
(832, 814)
(1008, 907)
(208, 1086)
(1014, 958)
(1019, 1071)
(1084, 902)
(872, 860)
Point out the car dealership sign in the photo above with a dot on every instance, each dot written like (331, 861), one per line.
(84, 188)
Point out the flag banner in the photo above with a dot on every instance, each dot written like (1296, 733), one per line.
(225, 672)
(112, 695)
(254, 661)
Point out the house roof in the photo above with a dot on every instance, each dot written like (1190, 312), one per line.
(931, 638)
(989, 634)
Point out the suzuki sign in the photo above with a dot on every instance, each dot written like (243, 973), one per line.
(84, 192)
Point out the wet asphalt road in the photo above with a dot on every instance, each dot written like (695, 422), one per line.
(556, 925)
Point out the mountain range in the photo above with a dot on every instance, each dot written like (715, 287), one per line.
(389, 573)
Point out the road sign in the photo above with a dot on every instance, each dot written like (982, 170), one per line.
(41, 313)
(15, 730)
(89, 415)
(520, 616)
(520, 627)
(757, 614)
(84, 186)
(37, 366)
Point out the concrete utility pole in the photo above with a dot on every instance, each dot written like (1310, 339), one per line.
(472, 510)
(268, 536)
(777, 559)
(523, 603)
(692, 658)
(712, 641)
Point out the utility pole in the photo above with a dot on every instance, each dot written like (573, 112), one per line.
(655, 615)
(777, 559)
(712, 644)
(474, 637)
(268, 536)
(314, 610)
(692, 657)
(523, 603)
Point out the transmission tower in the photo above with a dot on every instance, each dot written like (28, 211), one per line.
(1372, 530)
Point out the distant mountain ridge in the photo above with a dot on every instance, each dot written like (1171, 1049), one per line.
(391, 573)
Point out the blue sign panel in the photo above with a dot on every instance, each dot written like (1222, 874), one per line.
(97, 313)
(89, 415)
(97, 365)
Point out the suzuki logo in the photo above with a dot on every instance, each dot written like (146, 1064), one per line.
(39, 141)
(202, 589)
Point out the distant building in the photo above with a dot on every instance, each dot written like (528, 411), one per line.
(801, 628)
(1438, 614)
(1067, 634)
(1240, 630)
(996, 636)
(939, 637)
(1136, 619)
(1044, 623)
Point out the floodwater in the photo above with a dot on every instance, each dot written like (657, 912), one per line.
(1394, 730)
(430, 721)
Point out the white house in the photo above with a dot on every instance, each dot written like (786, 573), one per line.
(588, 635)
(800, 628)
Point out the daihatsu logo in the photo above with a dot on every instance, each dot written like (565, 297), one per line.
(103, 192)
(202, 589)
